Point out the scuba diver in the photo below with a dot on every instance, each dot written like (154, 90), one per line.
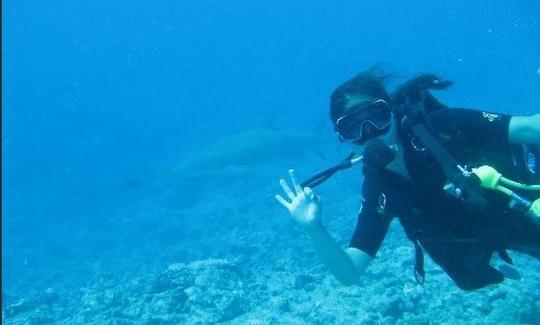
(439, 170)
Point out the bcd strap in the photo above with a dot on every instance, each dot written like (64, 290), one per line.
(412, 96)
(419, 272)
(472, 195)
(503, 254)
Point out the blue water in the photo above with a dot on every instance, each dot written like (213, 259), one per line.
(102, 98)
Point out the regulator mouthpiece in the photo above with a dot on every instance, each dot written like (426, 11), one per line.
(378, 154)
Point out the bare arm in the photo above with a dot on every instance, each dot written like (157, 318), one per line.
(346, 265)
(524, 129)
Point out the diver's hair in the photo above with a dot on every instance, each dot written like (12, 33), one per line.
(413, 89)
(368, 83)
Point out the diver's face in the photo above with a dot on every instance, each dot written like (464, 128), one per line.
(363, 121)
(389, 138)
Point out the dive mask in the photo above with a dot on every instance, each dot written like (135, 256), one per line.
(364, 122)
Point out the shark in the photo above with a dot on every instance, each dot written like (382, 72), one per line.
(234, 159)
(250, 151)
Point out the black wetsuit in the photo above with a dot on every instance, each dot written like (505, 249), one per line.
(461, 242)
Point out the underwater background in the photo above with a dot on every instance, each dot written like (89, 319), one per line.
(143, 141)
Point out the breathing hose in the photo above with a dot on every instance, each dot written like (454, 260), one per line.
(491, 179)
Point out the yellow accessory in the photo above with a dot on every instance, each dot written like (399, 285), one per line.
(491, 179)
(535, 208)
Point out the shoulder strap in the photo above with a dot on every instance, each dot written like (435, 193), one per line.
(412, 113)
(419, 272)
(467, 185)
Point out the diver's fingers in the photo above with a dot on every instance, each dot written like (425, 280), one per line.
(296, 187)
(309, 193)
(286, 188)
(282, 201)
